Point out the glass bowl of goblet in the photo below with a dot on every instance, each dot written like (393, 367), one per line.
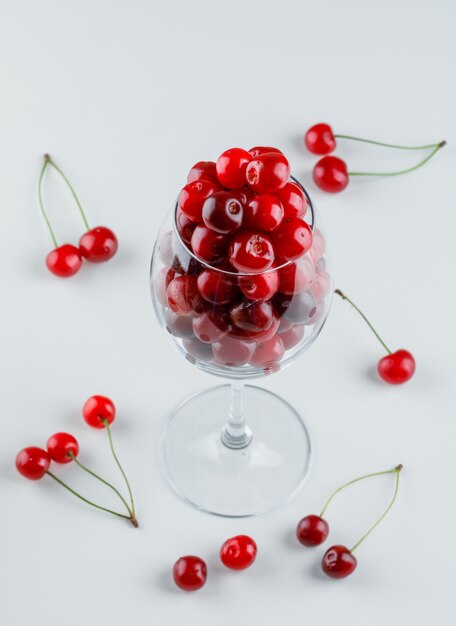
(237, 450)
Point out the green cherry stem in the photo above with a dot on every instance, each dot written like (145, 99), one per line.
(344, 297)
(40, 200)
(131, 519)
(387, 510)
(387, 145)
(406, 171)
(105, 482)
(49, 160)
(108, 429)
(352, 482)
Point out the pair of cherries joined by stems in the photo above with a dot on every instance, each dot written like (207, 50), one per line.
(331, 174)
(96, 245)
(339, 561)
(34, 462)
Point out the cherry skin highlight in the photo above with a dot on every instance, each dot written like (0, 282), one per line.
(62, 447)
(319, 139)
(259, 150)
(397, 368)
(98, 244)
(33, 462)
(312, 530)
(330, 174)
(338, 562)
(190, 573)
(209, 245)
(64, 261)
(238, 552)
(98, 408)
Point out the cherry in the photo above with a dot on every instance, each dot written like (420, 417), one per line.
(292, 336)
(293, 200)
(259, 286)
(162, 280)
(62, 447)
(244, 195)
(223, 212)
(216, 287)
(259, 150)
(166, 248)
(397, 368)
(292, 239)
(97, 409)
(98, 244)
(192, 197)
(183, 296)
(207, 328)
(190, 573)
(268, 172)
(312, 530)
(251, 251)
(231, 167)
(330, 174)
(300, 308)
(268, 352)
(203, 170)
(185, 227)
(238, 552)
(338, 562)
(319, 139)
(263, 212)
(296, 277)
(233, 352)
(33, 462)
(64, 261)
(252, 316)
(321, 285)
(197, 350)
(209, 245)
(179, 325)
(259, 335)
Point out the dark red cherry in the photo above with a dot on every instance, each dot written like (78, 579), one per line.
(252, 316)
(190, 573)
(319, 139)
(293, 200)
(231, 166)
(338, 562)
(209, 245)
(223, 212)
(192, 197)
(217, 288)
(330, 174)
(98, 244)
(183, 295)
(251, 251)
(203, 170)
(268, 173)
(292, 239)
(312, 530)
(185, 227)
(263, 212)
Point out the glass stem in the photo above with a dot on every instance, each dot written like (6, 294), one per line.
(235, 433)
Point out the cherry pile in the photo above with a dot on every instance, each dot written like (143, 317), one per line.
(96, 245)
(246, 273)
(34, 463)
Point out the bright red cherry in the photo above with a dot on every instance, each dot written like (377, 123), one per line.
(293, 200)
(251, 251)
(338, 562)
(192, 197)
(263, 212)
(98, 408)
(252, 316)
(209, 245)
(217, 287)
(296, 277)
(64, 261)
(238, 552)
(292, 336)
(320, 139)
(231, 166)
(259, 150)
(33, 462)
(312, 530)
(233, 352)
(223, 212)
(397, 368)
(259, 286)
(62, 447)
(190, 573)
(268, 353)
(292, 239)
(330, 174)
(203, 170)
(185, 227)
(98, 244)
(268, 173)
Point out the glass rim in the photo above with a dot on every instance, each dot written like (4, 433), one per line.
(270, 270)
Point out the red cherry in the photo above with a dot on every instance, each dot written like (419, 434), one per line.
(233, 352)
(292, 336)
(251, 252)
(320, 139)
(259, 286)
(217, 288)
(64, 261)
(258, 336)
(296, 277)
(62, 447)
(192, 197)
(209, 245)
(190, 573)
(98, 408)
(259, 150)
(208, 328)
(263, 212)
(268, 173)
(183, 296)
(244, 195)
(330, 174)
(292, 239)
(267, 353)
(397, 368)
(252, 316)
(33, 462)
(312, 530)
(293, 200)
(203, 170)
(338, 562)
(231, 166)
(238, 552)
(98, 244)
(185, 227)
(162, 280)
(223, 212)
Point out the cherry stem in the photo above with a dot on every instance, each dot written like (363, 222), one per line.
(344, 297)
(351, 482)
(387, 510)
(108, 429)
(387, 145)
(409, 169)
(48, 159)
(108, 484)
(130, 518)
(40, 200)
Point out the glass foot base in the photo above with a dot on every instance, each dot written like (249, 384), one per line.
(235, 482)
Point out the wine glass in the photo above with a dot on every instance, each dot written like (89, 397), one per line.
(237, 450)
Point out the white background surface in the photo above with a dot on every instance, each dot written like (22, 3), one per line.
(127, 96)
